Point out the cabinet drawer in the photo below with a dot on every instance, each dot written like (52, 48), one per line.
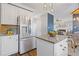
(61, 52)
(61, 48)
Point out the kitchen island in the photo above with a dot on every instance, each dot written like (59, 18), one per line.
(52, 46)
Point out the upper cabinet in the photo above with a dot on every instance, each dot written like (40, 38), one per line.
(43, 22)
(47, 23)
(8, 14)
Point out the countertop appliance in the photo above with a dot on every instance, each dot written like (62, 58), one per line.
(24, 31)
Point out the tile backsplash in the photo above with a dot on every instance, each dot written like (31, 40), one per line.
(5, 28)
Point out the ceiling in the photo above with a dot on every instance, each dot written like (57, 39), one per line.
(58, 8)
(35, 6)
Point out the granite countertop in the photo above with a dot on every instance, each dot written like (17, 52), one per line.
(53, 40)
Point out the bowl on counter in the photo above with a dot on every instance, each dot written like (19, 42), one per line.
(52, 34)
(10, 33)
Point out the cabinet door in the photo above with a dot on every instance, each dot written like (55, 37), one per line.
(44, 23)
(61, 48)
(36, 26)
(34, 42)
(44, 48)
(9, 45)
(9, 14)
(58, 49)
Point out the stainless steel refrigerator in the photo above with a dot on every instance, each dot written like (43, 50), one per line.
(24, 31)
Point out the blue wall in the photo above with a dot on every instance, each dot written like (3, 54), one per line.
(75, 23)
(75, 26)
(50, 22)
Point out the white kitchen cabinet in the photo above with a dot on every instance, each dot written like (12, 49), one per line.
(47, 23)
(36, 26)
(44, 48)
(8, 14)
(44, 23)
(9, 45)
(39, 25)
(34, 42)
(61, 48)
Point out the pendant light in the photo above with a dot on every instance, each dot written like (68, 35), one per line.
(47, 7)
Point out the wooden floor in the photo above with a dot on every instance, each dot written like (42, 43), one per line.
(30, 53)
(34, 53)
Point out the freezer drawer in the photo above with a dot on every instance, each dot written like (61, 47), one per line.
(25, 45)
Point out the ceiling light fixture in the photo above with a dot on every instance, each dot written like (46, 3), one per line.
(47, 7)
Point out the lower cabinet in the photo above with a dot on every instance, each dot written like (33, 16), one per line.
(45, 48)
(9, 45)
(61, 48)
(34, 42)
